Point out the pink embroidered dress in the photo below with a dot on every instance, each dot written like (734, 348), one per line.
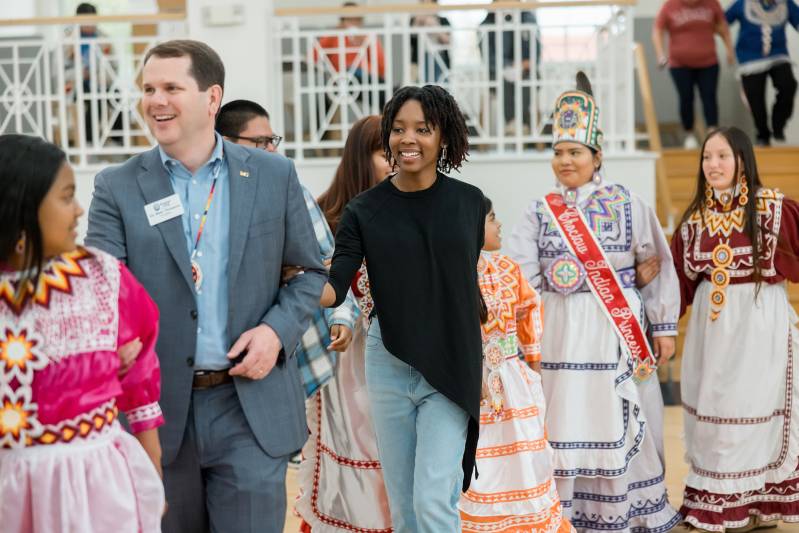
(66, 464)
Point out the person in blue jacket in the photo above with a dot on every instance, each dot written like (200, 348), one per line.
(762, 52)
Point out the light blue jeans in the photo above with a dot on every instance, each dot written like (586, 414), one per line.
(421, 436)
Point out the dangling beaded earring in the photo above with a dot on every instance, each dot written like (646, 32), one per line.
(20, 246)
(443, 156)
(708, 195)
(743, 194)
(597, 178)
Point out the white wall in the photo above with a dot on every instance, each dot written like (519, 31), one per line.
(18, 9)
(246, 47)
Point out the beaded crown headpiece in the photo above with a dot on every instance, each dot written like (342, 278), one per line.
(577, 116)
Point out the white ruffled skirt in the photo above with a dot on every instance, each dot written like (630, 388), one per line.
(107, 483)
(740, 396)
(515, 490)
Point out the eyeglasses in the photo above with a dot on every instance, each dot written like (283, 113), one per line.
(261, 142)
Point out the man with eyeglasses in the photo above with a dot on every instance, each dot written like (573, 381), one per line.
(247, 123)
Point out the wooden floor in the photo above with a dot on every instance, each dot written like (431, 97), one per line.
(676, 470)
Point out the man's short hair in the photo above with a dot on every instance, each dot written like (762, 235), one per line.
(85, 8)
(206, 65)
(234, 116)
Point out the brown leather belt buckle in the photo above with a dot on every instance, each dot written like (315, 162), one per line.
(207, 379)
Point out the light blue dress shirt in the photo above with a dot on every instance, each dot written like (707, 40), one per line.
(212, 253)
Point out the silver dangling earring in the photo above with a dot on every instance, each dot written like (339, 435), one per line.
(597, 177)
(444, 153)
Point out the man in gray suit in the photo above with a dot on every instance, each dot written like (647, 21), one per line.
(206, 225)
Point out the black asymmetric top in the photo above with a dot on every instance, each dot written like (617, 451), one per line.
(421, 250)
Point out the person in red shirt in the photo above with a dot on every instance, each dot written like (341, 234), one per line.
(692, 60)
(372, 63)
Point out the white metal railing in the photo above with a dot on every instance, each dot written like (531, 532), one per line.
(83, 93)
(80, 92)
(331, 77)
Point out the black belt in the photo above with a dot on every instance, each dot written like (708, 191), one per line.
(208, 379)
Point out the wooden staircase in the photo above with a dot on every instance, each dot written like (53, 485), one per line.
(778, 167)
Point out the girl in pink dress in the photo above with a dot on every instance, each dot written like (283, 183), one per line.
(66, 464)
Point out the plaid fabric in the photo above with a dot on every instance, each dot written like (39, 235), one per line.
(315, 362)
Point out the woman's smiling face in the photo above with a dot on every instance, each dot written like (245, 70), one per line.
(415, 143)
(718, 163)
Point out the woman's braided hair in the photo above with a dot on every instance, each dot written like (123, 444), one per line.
(442, 112)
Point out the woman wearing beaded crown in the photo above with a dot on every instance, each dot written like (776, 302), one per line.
(66, 464)
(578, 247)
(736, 246)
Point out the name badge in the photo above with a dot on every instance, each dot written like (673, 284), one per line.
(163, 209)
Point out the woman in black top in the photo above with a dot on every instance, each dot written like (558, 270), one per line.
(420, 233)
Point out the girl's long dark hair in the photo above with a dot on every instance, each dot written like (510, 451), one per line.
(355, 173)
(483, 307)
(28, 168)
(744, 154)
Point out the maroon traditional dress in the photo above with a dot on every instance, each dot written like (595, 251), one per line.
(739, 388)
(66, 464)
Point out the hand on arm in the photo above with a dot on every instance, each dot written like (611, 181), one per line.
(664, 348)
(290, 272)
(127, 355)
(646, 271)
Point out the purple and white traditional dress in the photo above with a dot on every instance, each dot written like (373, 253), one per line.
(66, 463)
(604, 427)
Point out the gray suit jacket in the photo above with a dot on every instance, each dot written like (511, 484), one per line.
(269, 227)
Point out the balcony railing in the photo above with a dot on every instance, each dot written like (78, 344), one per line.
(505, 73)
(81, 92)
